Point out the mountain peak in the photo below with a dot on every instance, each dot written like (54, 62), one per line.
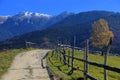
(66, 13)
(3, 19)
(31, 14)
(41, 15)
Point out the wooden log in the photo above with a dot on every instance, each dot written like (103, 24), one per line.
(86, 58)
(106, 58)
(114, 69)
(68, 58)
(73, 51)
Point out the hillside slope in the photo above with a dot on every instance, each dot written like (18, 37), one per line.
(78, 25)
(25, 22)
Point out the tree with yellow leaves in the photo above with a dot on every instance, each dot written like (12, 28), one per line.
(101, 34)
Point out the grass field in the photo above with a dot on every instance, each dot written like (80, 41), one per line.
(6, 58)
(62, 71)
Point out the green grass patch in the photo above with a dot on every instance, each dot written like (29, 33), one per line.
(62, 71)
(6, 58)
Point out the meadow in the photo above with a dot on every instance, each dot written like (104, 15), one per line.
(62, 71)
(7, 57)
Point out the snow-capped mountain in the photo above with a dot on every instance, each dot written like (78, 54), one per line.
(31, 14)
(3, 19)
(25, 22)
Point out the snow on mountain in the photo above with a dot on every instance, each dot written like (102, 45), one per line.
(24, 22)
(42, 15)
(3, 19)
(31, 14)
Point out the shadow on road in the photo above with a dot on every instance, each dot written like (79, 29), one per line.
(46, 67)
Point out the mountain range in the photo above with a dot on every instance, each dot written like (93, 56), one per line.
(3, 19)
(79, 25)
(25, 22)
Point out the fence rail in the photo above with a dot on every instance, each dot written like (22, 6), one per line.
(61, 53)
(96, 64)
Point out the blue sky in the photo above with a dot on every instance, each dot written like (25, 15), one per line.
(53, 7)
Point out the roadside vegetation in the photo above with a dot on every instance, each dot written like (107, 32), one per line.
(62, 71)
(6, 58)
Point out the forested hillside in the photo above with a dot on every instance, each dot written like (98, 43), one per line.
(79, 25)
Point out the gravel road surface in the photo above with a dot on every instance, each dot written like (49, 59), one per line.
(28, 66)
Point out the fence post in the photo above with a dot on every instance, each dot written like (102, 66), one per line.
(52, 53)
(60, 52)
(69, 58)
(58, 47)
(106, 58)
(26, 45)
(73, 51)
(64, 57)
(56, 50)
(86, 58)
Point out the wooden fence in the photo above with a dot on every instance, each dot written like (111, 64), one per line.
(61, 53)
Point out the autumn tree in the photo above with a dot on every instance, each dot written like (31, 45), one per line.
(101, 34)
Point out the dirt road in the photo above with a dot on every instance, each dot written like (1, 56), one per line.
(28, 66)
